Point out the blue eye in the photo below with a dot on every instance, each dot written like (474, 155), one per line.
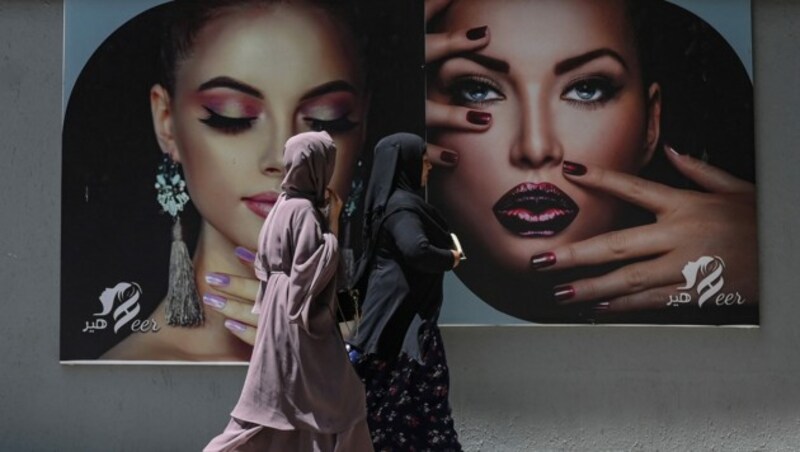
(596, 90)
(474, 90)
(227, 124)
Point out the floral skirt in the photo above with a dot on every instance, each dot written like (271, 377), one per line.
(242, 436)
(407, 401)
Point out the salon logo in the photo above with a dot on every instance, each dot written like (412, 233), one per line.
(122, 303)
(704, 278)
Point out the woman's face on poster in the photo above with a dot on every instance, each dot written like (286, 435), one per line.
(256, 76)
(562, 82)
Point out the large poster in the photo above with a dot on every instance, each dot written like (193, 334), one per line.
(174, 124)
(607, 175)
(596, 159)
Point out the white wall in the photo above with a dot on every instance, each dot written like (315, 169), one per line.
(513, 389)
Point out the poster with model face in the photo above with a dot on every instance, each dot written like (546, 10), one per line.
(605, 161)
(601, 157)
(175, 116)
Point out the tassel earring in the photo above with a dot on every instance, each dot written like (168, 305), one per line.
(183, 302)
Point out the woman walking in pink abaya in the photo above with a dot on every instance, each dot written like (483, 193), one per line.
(300, 394)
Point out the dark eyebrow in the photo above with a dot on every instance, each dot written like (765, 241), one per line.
(227, 82)
(578, 61)
(325, 88)
(491, 63)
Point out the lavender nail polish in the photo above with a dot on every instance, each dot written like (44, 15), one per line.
(218, 279)
(235, 326)
(244, 254)
(215, 301)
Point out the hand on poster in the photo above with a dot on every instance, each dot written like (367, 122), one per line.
(717, 225)
(335, 205)
(234, 298)
(437, 47)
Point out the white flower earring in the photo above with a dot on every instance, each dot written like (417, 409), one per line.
(183, 302)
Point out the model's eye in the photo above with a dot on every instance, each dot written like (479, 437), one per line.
(226, 124)
(338, 125)
(474, 90)
(590, 91)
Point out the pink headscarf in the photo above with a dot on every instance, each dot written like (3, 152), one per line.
(309, 160)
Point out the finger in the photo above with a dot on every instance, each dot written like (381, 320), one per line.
(238, 310)
(347, 329)
(452, 117)
(629, 279)
(434, 7)
(235, 286)
(652, 196)
(614, 246)
(245, 255)
(707, 176)
(441, 157)
(440, 45)
(246, 333)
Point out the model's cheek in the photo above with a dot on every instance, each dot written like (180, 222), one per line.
(612, 137)
(207, 178)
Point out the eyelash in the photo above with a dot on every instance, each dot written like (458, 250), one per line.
(602, 85)
(338, 125)
(226, 124)
(460, 86)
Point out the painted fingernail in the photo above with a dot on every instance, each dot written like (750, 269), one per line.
(601, 306)
(215, 301)
(563, 293)
(672, 150)
(218, 279)
(245, 254)
(449, 157)
(235, 326)
(480, 118)
(573, 169)
(543, 260)
(473, 34)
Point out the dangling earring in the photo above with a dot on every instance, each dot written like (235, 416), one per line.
(183, 302)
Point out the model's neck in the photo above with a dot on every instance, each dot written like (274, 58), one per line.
(210, 341)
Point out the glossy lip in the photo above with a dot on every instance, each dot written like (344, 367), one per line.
(535, 210)
(261, 203)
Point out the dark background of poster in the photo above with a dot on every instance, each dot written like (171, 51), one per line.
(112, 229)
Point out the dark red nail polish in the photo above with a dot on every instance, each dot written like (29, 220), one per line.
(449, 157)
(573, 169)
(543, 260)
(601, 306)
(473, 34)
(562, 293)
(480, 118)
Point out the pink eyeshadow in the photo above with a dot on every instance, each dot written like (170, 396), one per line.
(329, 106)
(231, 106)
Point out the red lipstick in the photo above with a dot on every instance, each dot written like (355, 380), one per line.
(535, 210)
(261, 203)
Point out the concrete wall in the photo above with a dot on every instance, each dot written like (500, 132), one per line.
(518, 388)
